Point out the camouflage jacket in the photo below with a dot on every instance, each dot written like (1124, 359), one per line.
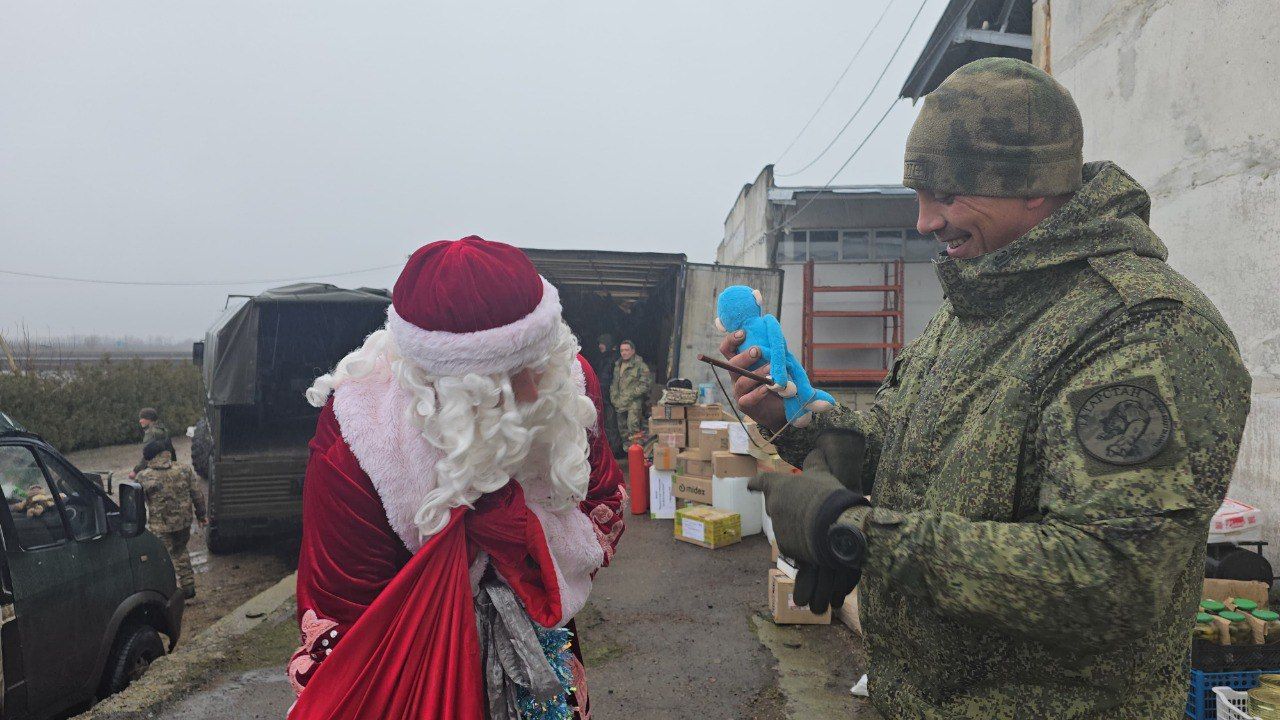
(1045, 461)
(172, 490)
(154, 431)
(630, 382)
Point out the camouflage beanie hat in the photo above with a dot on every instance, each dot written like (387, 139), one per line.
(997, 127)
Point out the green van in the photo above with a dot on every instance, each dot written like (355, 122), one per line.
(85, 590)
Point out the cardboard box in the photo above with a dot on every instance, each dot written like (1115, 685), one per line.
(690, 488)
(712, 435)
(745, 439)
(659, 426)
(782, 603)
(693, 465)
(664, 457)
(727, 464)
(1234, 516)
(696, 413)
(662, 503)
(1222, 590)
(848, 612)
(668, 412)
(672, 440)
(697, 453)
(707, 527)
(774, 464)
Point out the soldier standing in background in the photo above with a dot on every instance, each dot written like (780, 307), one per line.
(172, 491)
(602, 363)
(152, 429)
(629, 390)
(1044, 460)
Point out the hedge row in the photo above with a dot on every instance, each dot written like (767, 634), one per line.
(96, 404)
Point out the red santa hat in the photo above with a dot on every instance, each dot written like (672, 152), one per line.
(472, 306)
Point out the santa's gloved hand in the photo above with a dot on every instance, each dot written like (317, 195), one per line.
(805, 509)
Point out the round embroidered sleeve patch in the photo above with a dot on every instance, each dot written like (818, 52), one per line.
(1123, 424)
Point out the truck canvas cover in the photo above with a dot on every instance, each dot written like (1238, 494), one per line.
(231, 349)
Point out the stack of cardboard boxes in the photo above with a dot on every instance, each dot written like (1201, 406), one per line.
(702, 463)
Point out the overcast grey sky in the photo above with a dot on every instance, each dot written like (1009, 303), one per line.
(236, 140)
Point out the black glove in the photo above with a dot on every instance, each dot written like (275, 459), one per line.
(804, 509)
(841, 453)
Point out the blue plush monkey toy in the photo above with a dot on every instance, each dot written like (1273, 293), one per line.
(740, 308)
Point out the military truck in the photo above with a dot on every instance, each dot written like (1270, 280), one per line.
(258, 359)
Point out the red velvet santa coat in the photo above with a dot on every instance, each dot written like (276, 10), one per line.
(390, 633)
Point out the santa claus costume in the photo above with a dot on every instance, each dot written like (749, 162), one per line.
(453, 521)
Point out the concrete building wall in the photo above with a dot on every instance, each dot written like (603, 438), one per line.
(745, 240)
(1183, 94)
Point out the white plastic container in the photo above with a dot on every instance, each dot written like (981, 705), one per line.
(662, 503)
(1232, 704)
(767, 523)
(731, 495)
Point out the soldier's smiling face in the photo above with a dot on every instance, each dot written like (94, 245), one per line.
(626, 351)
(973, 225)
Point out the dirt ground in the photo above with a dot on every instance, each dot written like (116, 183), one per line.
(672, 631)
(222, 582)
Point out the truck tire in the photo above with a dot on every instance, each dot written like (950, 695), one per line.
(202, 448)
(136, 647)
(219, 543)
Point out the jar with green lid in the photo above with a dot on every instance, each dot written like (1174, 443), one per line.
(1240, 631)
(1204, 628)
(1213, 607)
(1264, 703)
(1244, 605)
(1270, 627)
(1270, 680)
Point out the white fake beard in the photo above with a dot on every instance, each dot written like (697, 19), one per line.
(486, 437)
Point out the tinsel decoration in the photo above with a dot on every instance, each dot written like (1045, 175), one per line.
(556, 646)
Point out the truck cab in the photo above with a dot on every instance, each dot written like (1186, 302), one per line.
(85, 590)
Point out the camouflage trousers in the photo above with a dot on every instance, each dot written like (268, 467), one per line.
(176, 544)
(630, 420)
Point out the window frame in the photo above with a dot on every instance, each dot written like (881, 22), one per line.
(92, 492)
(792, 237)
(10, 525)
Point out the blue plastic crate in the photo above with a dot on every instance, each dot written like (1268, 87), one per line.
(1202, 703)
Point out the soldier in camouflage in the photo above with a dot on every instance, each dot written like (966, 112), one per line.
(172, 491)
(629, 390)
(152, 429)
(1043, 462)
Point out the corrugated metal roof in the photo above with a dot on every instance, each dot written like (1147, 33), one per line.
(970, 30)
(622, 276)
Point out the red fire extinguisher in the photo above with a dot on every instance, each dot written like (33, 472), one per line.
(638, 469)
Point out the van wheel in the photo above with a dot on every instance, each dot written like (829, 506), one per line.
(136, 647)
(219, 543)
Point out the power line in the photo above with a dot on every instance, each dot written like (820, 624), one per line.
(865, 99)
(839, 170)
(193, 283)
(827, 185)
(840, 79)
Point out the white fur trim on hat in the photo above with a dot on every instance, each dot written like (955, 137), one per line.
(484, 352)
